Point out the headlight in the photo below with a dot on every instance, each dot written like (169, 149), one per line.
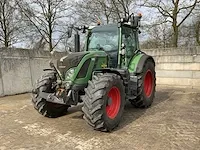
(69, 74)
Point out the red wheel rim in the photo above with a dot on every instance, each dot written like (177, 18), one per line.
(148, 83)
(114, 102)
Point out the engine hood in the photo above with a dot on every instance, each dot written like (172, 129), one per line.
(74, 59)
(70, 61)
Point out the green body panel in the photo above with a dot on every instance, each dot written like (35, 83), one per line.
(98, 59)
(134, 62)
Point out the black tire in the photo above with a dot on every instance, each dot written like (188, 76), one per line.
(145, 99)
(45, 108)
(96, 101)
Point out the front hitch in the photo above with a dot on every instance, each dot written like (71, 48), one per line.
(51, 97)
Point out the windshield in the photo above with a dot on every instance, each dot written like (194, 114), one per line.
(107, 41)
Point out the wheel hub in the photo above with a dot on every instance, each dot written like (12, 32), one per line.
(109, 102)
(148, 83)
(113, 102)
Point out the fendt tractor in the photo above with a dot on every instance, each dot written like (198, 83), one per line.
(110, 70)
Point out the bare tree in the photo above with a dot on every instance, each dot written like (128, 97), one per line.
(122, 7)
(88, 11)
(47, 17)
(176, 12)
(10, 23)
(107, 10)
(159, 35)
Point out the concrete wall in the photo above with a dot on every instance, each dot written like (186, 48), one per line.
(20, 68)
(177, 67)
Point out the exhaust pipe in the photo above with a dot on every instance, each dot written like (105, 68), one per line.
(77, 42)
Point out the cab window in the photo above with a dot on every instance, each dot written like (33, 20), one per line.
(129, 40)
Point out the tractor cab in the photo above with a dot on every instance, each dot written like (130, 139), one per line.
(105, 38)
(119, 41)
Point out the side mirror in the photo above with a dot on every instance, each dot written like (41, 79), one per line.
(69, 31)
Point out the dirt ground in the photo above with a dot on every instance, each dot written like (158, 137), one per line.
(173, 122)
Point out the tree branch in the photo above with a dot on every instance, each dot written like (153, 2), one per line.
(192, 8)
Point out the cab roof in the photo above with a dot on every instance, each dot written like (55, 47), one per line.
(105, 28)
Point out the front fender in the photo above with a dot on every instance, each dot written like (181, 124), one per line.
(92, 61)
(123, 73)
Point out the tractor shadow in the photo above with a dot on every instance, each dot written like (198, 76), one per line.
(132, 113)
(75, 109)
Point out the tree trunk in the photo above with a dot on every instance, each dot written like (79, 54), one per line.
(174, 24)
(50, 45)
(6, 44)
(197, 33)
(49, 16)
(107, 19)
(6, 38)
(175, 36)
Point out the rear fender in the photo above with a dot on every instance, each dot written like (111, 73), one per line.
(142, 61)
(137, 63)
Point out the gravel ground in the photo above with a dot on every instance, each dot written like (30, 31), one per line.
(173, 122)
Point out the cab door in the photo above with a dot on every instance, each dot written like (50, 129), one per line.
(130, 41)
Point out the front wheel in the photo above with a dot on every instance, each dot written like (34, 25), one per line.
(47, 109)
(104, 101)
(146, 86)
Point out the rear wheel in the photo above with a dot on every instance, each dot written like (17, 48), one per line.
(45, 108)
(104, 101)
(146, 86)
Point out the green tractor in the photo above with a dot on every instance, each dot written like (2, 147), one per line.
(111, 70)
